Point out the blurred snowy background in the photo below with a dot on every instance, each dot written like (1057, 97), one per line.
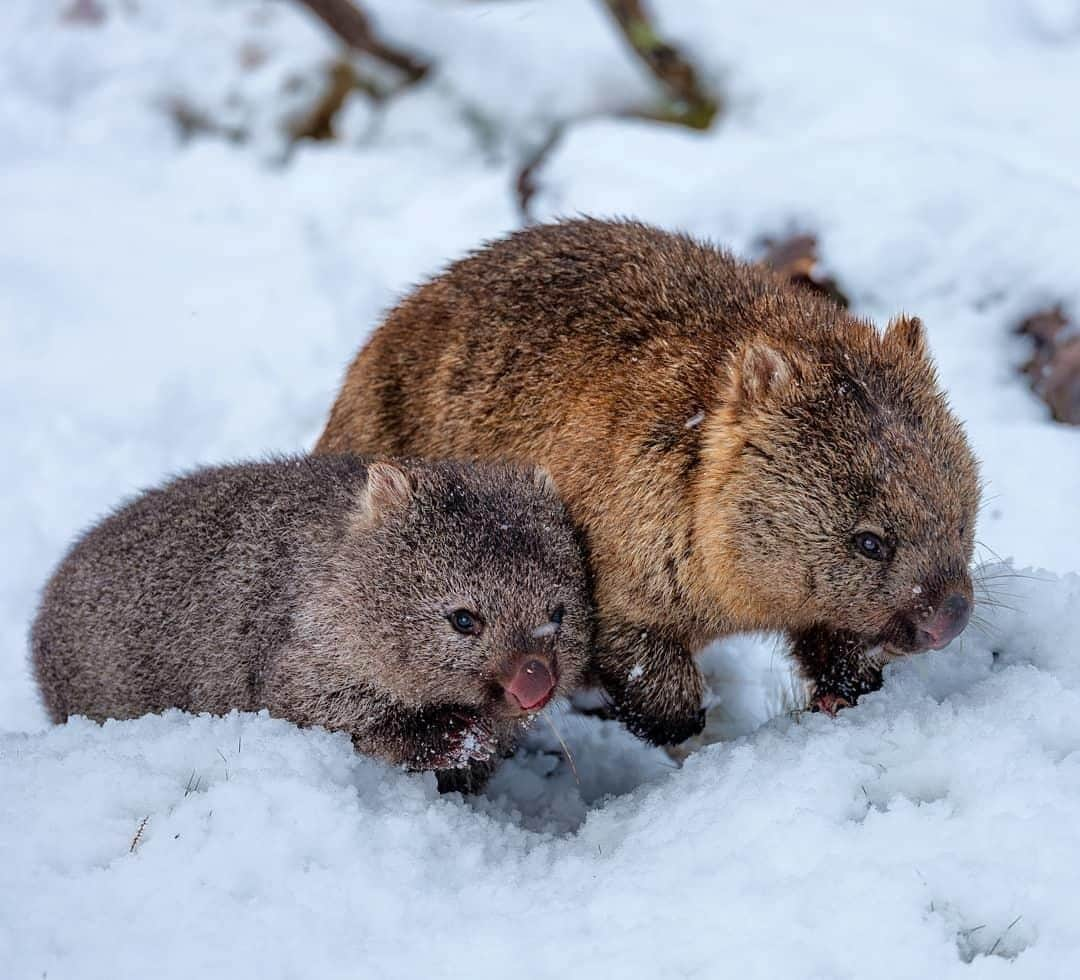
(185, 271)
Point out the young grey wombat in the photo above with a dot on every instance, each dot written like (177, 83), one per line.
(428, 609)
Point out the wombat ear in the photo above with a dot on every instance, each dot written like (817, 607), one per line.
(761, 372)
(544, 481)
(905, 335)
(389, 489)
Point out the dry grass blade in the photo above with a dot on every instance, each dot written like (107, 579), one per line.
(566, 749)
(997, 942)
(138, 834)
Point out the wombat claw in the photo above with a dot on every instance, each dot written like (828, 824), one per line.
(829, 704)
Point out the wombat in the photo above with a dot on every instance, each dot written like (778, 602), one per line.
(740, 453)
(427, 609)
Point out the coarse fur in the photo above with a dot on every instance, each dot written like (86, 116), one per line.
(320, 588)
(720, 435)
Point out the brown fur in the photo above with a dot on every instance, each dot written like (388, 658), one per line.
(719, 435)
(320, 588)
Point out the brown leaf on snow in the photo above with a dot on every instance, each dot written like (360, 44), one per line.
(1054, 366)
(1061, 388)
(1044, 326)
(796, 259)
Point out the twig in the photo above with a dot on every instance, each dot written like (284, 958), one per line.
(526, 183)
(138, 834)
(351, 24)
(318, 124)
(693, 106)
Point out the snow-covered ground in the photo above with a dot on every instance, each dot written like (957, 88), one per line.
(167, 302)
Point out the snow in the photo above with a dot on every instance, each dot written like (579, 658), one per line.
(166, 302)
(543, 630)
(935, 821)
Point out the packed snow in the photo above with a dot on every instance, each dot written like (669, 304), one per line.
(169, 298)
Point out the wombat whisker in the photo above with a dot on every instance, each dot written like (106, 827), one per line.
(982, 544)
(993, 580)
(998, 598)
(1004, 575)
(991, 570)
(994, 602)
(1000, 567)
(988, 630)
(566, 748)
(991, 587)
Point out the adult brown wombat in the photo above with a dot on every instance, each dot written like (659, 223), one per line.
(425, 609)
(741, 453)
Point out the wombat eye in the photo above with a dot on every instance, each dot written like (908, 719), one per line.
(465, 622)
(870, 545)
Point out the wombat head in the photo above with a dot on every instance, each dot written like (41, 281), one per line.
(842, 490)
(462, 585)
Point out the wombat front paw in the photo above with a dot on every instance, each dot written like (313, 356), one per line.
(661, 730)
(839, 667)
(829, 703)
(842, 688)
(461, 739)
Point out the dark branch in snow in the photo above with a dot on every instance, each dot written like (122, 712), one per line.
(691, 104)
(526, 183)
(318, 124)
(352, 25)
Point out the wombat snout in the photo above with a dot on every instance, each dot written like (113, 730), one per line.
(945, 624)
(531, 684)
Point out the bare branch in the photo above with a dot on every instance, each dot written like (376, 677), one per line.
(351, 24)
(526, 183)
(693, 107)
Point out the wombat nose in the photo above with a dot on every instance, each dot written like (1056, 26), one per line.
(947, 623)
(532, 684)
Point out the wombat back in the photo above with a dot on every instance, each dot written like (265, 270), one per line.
(173, 599)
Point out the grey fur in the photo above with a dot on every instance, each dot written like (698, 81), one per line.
(319, 588)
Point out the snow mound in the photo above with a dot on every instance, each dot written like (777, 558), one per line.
(935, 821)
